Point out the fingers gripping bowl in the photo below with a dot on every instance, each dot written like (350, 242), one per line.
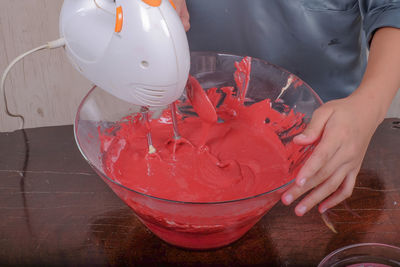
(210, 223)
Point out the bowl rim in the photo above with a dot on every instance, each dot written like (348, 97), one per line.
(333, 253)
(265, 62)
(83, 101)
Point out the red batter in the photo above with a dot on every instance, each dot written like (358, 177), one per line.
(232, 151)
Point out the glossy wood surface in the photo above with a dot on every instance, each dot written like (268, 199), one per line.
(54, 210)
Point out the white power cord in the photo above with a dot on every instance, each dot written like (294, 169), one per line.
(50, 45)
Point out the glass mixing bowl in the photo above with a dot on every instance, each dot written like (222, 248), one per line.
(200, 225)
(363, 255)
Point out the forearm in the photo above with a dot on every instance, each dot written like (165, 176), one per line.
(382, 77)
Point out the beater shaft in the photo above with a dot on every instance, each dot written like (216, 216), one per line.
(145, 113)
(174, 121)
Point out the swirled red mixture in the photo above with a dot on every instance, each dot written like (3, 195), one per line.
(228, 150)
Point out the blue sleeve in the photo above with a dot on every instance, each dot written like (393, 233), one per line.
(379, 13)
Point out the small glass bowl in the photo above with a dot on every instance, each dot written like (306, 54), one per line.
(363, 255)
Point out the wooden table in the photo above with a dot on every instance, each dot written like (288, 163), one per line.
(55, 210)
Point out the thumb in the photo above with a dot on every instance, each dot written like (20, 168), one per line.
(181, 9)
(315, 128)
(185, 17)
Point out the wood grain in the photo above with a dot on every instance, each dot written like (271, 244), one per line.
(54, 210)
(44, 87)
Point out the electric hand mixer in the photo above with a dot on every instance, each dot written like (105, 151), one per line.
(136, 50)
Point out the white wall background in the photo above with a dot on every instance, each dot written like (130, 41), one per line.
(44, 87)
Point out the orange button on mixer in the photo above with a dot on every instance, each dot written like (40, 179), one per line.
(172, 3)
(153, 2)
(119, 20)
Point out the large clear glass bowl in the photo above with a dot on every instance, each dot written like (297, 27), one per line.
(200, 225)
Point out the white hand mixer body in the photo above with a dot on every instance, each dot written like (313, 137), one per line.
(136, 50)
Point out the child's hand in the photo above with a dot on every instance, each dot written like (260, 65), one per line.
(346, 127)
(183, 13)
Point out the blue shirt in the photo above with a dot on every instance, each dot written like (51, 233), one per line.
(324, 42)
